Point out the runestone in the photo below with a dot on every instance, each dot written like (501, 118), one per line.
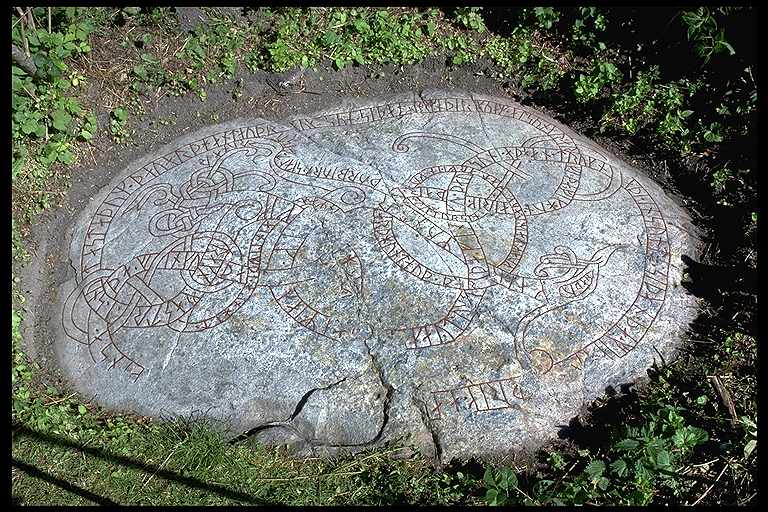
(453, 269)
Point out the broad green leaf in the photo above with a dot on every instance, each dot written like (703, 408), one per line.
(595, 468)
(627, 444)
(488, 478)
(61, 120)
(510, 479)
(619, 466)
(330, 38)
(65, 157)
(30, 126)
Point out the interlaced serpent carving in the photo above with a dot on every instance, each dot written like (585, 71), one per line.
(185, 242)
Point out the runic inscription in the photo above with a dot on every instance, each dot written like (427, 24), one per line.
(476, 247)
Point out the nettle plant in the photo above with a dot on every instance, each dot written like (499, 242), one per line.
(588, 23)
(646, 459)
(41, 107)
(470, 17)
(588, 87)
(302, 37)
(703, 31)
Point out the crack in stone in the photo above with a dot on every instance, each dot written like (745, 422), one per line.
(387, 403)
(424, 415)
(288, 422)
(303, 400)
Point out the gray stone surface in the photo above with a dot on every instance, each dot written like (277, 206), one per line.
(454, 269)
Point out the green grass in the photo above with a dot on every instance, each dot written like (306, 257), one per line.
(176, 464)
(674, 442)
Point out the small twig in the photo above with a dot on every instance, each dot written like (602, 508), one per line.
(704, 463)
(23, 29)
(273, 87)
(31, 94)
(354, 462)
(15, 23)
(31, 18)
(49, 20)
(749, 499)
(725, 396)
(710, 487)
(553, 61)
(563, 476)
(183, 46)
(161, 465)
(60, 400)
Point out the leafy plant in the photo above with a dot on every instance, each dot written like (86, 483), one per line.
(588, 23)
(588, 87)
(546, 17)
(714, 132)
(118, 119)
(215, 43)
(510, 53)
(464, 49)
(470, 18)
(517, 55)
(500, 484)
(647, 457)
(703, 31)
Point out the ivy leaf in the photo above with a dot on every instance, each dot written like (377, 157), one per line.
(81, 409)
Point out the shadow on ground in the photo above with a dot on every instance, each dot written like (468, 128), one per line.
(194, 483)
